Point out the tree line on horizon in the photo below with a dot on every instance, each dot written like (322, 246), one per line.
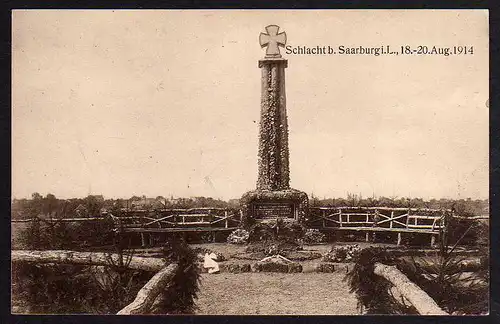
(93, 205)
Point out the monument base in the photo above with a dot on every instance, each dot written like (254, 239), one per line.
(268, 205)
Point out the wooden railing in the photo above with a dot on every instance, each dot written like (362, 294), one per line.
(169, 220)
(343, 216)
(160, 219)
(205, 219)
(378, 219)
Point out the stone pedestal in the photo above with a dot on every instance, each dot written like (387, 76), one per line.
(273, 197)
(268, 205)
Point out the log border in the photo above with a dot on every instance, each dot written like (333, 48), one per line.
(422, 302)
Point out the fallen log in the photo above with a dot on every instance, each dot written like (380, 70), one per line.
(88, 258)
(148, 294)
(424, 304)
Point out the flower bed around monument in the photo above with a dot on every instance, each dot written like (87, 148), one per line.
(342, 253)
(238, 236)
(314, 236)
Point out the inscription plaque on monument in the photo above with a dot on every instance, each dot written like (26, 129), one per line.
(273, 210)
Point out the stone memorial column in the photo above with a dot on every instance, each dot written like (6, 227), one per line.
(273, 197)
(273, 163)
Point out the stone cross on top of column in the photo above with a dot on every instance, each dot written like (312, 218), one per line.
(272, 40)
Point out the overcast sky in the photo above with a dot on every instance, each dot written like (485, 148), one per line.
(125, 103)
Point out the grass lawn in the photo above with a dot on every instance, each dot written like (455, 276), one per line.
(275, 293)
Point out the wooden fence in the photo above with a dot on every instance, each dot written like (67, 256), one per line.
(366, 219)
(163, 220)
(379, 219)
(171, 220)
(147, 223)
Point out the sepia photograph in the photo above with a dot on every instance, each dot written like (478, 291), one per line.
(250, 162)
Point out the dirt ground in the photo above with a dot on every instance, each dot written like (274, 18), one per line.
(307, 293)
(275, 293)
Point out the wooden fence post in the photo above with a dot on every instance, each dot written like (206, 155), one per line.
(399, 238)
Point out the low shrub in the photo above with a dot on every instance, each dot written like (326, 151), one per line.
(64, 288)
(180, 296)
(314, 236)
(302, 255)
(260, 232)
(69, 288)
(238, 236)
(277, 266)
(476, 231)
(294, 267)
(372, 291)
(288, 229)
(270, 267)
(235, 267)
(342, 253)
(444, 281)
(325, 267)
(55, 234)
(441, 277)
